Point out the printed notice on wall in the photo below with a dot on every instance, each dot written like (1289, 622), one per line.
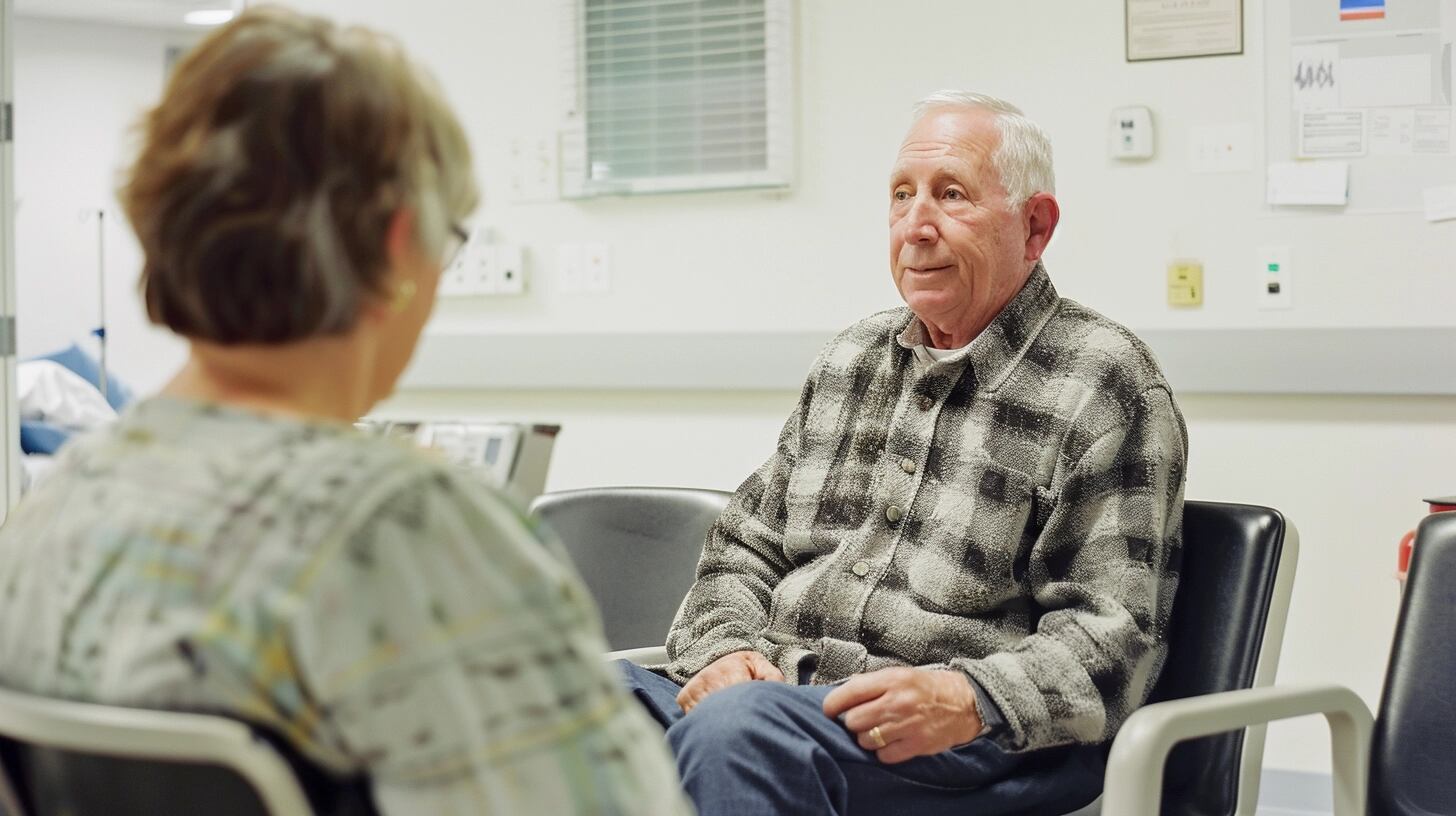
(1168, 29)
(1326, 134)
(1431, 131)
(1368, 82)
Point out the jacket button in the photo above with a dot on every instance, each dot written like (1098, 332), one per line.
(907, 465)
(926, 403)
(893, 513)
(860, 568)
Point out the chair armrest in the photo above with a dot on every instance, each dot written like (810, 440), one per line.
(642, 656)
(1134, 782)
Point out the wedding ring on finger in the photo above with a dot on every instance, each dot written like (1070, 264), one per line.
(877, 738)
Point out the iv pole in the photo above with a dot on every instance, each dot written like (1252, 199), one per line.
(100, 331)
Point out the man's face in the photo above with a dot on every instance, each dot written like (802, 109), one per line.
(957, 253)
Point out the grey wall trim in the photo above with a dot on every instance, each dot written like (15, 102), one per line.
(1295, 793)
(1394, 360)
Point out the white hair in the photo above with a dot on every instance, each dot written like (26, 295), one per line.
(1024, 157)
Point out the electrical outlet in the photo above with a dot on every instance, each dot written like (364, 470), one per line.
(454, 280)
(1275, 287)
(481, 274)
(510, 270)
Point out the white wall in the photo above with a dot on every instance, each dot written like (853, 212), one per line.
(815, 257)
(79, 87)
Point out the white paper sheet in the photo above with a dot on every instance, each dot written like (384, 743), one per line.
(1323, 183)
(1313, 74)
(1331, 133)
(1392, 131)
(1440, 202)
(1402, 80)
(1431, 134)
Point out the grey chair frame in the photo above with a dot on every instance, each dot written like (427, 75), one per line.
(1134, 779)
(165, 736)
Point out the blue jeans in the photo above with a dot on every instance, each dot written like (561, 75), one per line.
(768, 748)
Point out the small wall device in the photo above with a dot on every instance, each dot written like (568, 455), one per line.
(1130, 133)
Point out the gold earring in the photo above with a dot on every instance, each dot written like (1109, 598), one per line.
(403, 294)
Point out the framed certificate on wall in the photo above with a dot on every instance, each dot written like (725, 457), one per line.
(1172, 29)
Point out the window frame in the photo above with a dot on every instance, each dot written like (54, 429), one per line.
(779, 111)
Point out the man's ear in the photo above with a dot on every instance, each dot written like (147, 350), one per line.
(1041, 213)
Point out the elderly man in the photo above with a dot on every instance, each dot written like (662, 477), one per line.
(952, 580)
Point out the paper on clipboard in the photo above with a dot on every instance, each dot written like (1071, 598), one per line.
(1322, 183)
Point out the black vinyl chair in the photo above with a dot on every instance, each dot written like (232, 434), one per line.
(612, 532)
(1228, 617)
(1395, 765)
(62, 758)
(1415, 733)
(1227, 629)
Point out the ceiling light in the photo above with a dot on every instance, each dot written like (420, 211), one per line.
(207, 17)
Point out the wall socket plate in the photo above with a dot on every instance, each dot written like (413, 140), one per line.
(535, 168)
(485, 269)
(1185, 283)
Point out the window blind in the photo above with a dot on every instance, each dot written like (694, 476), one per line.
(678, 95)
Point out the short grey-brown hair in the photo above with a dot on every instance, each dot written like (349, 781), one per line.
(1024, 157)
(269, 173)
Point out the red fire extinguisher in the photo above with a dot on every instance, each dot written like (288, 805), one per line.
(1442, 505)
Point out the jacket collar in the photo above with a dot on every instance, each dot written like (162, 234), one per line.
(994, 353)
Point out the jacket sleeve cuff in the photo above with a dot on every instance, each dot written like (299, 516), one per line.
(1011, 731)
(701, 654)
(993, 722)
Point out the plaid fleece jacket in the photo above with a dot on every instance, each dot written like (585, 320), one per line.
(1013, 510)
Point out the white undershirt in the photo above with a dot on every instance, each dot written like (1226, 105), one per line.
(940, 354)
(927, 355)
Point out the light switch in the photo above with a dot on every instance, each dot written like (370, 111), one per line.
(583, 268)
(597, 271)
(1221, 148)
(1185, 283)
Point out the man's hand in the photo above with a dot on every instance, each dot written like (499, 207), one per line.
(918, 712)
(728, 670)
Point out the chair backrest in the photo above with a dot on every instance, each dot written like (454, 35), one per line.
(61, 757)
(637, 549)
(1415, 730)
(1227, 625)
